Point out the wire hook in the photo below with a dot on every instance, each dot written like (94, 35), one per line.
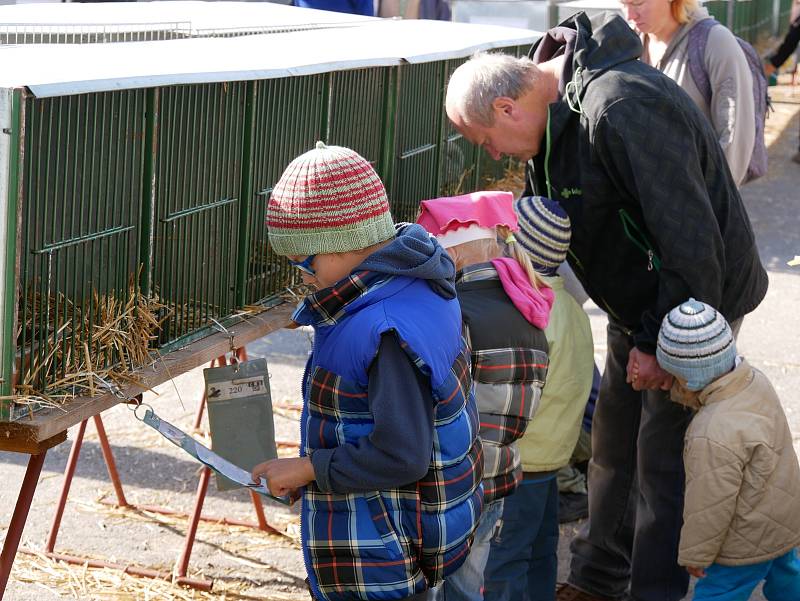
(223, 330)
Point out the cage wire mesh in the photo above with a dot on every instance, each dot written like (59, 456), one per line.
(91, 33)
(143, 211)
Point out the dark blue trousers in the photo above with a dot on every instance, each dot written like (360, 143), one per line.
(523, 561)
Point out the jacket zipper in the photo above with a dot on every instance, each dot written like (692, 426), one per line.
(303, 420)
(632, 231)
(606, 306)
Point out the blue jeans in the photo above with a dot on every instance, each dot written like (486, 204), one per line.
(636, 482)
(523, 560)
(781, 578)
(466, 583)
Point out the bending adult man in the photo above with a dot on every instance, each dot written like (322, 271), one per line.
(656, 218)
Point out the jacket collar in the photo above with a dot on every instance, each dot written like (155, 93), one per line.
(728, 385)
(590, 48)
(329, 306)
(476, 273)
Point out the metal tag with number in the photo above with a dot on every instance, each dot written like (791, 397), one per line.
(240, 415)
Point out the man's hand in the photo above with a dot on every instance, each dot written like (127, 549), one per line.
(696, 572)
(644, 372)
(284, 476)
(769, 68)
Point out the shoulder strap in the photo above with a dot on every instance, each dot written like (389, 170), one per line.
(698, 38)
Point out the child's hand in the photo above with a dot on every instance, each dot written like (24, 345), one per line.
(696, 572)
(284, 476)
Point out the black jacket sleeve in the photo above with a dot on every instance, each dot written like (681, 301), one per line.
(398, 450)
(788, 45)
(665, 177)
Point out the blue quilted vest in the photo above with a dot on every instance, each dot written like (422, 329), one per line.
(391, 544)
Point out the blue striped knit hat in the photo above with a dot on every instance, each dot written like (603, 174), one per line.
(544, 232)
(696, 344)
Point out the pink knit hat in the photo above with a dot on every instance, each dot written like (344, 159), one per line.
(328, 200)
(459, 219)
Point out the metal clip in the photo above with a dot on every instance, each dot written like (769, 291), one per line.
(231, 335)
(649, 260)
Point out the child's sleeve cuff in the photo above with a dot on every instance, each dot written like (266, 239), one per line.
(321, 461)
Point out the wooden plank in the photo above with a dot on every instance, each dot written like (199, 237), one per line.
(48, 423)
(17, 445)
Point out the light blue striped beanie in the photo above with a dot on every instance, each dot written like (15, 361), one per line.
(696, 344)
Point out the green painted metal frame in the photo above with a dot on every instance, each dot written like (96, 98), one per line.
(8, 318)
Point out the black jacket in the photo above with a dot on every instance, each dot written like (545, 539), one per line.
(656, 217)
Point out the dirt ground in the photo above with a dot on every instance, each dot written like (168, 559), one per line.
(248, 564)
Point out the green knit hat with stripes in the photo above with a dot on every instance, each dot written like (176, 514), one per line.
(328, 200)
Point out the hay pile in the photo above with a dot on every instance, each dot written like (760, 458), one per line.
(85, 347)
(79, 582)
(513, 180)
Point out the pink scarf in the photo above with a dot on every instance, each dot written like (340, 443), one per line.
(534, 304)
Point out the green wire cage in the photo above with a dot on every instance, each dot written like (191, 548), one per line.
(134, 176)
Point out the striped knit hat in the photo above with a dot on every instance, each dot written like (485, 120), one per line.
(328, 200)
(696, 344)
(544, 231)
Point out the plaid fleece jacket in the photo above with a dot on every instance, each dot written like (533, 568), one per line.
(388, 544)
(509, 366)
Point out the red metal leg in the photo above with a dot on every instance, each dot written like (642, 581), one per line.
(202, 488)
(69, 472)
(111, 465)
(15, 528)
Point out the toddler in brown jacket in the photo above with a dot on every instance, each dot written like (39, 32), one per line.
(741, 517)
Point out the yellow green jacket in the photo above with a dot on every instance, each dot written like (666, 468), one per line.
(549, 440)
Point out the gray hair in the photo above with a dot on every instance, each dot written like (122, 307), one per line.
(483, 78)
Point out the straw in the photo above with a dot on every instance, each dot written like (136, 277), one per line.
(87, 346)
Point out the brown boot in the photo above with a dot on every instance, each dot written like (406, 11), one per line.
(567, 592)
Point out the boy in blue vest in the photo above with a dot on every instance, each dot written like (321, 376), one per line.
(391, 464)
